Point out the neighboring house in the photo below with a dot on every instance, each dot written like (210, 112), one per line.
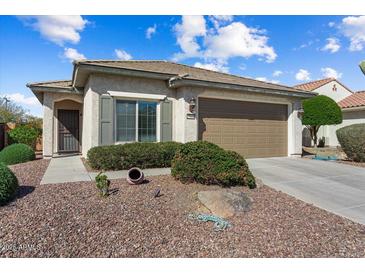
(351, 103)
(112, 102)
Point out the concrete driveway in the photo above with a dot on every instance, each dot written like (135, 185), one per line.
(338, 188)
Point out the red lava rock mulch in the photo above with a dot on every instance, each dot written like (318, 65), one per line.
(71, 220)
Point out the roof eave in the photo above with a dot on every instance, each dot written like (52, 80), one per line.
(40, 88)
(95, 68)
(102, 69)
(38, 91)
(353, 108)
(200, 83)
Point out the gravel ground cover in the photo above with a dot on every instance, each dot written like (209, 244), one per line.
(71, 220)
(351, 163)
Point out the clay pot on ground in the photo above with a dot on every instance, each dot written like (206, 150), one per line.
(135, 176)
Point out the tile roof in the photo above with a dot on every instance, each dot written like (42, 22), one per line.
(310, 86)
(357, 99)
(56, 83)
(194, 73)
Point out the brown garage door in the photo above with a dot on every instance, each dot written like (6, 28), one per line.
(249, 128)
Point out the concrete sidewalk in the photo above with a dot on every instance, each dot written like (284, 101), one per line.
(65, 169)
(71, 169)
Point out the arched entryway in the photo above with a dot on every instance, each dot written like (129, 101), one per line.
(68, 125)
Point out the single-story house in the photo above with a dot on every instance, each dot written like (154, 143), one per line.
(113, 102)
(351, 103)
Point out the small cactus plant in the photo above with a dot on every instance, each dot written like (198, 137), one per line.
(102, 183)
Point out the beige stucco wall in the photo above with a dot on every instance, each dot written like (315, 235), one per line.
(52, 102)
(184, 129)
(99, 84)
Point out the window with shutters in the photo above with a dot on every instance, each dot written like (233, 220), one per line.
(136, 121)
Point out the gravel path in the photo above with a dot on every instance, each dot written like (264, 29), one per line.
(71, 220)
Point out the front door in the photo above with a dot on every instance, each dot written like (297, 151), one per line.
(68, 130)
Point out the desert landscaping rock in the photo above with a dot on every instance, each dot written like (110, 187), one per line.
(225, 202)
(72, 220)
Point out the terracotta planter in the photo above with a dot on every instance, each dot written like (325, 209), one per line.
(135, 176)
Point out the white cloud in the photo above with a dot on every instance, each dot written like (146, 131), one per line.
(219, 20)
(331, 24)
(305, 45)
(212, 66)
(302, 75)
(21, 99)
(191, 27)
(332, 45)
(224, 42)
(264, 79)
(72, 54)
(277, 73)
(223, 18)
(238, 40)
(58, 29)
(353, 27)
(331, 73)
(242, 67)
(122, 55)
(151, 31)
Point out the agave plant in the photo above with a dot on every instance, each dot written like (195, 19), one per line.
(362, 66)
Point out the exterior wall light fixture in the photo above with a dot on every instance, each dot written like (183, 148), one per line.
(192, 105)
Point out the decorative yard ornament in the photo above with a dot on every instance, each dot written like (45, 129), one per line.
(157, 192)
(362, 66)
(135, 176)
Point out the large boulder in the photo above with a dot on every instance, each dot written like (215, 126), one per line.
(225, 202)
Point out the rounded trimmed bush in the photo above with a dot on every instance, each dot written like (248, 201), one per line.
(126, 156)
(207, 163)
(8, 184)
(16, 153)
(321, 110)
(352, 141)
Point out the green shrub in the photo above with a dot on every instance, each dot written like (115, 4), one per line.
(142, 155)
(352, 141)
(24, 135)
(319, 111)
(17, 153)
(8, 184)
(168, 151)
(207, 163)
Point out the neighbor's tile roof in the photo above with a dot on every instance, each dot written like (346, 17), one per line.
(310, 86)
(357, 99)
(194, 73)
(313, 85)
(57, 84)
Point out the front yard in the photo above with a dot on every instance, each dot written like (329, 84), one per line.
(72, 220)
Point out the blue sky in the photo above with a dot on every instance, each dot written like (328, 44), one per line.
(283, 49)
